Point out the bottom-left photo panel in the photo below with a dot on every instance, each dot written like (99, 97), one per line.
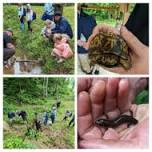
(38, 113)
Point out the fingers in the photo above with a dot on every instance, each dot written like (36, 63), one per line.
(84, 84)
(123, 93)
(136, 85)
(134, 44)
(97, 95)
(84, 113)
(141, 84)
(111, 94)
(119, 70)
(105, 28)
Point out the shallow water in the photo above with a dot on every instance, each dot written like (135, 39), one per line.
(21, 67)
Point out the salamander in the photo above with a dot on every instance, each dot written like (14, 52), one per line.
(116, 122)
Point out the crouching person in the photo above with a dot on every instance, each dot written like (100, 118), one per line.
(11, 116)
(62, 49)
(67, 114)
(47, 30)
(8, 47)
(22, 114)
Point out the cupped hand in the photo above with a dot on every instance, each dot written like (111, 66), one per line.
(97, 97)
(138, 51)
(139, 55)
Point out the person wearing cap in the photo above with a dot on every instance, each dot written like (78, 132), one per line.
(8, 47)
(62, 25)
(48, 11)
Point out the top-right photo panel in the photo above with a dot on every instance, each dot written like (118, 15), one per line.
(113, 38)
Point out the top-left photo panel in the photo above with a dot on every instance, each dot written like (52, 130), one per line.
(38, 38)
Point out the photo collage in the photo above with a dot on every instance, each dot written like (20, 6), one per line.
(75, 75)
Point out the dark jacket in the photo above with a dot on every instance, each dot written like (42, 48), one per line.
(63, 26)
(86, 24)
(138, 23)
(11, 115)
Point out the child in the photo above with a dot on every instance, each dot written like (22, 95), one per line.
(61, 49)
(29, 17)
(21, 15)
(47, 30)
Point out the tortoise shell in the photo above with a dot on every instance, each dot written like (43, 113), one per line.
(110, 50)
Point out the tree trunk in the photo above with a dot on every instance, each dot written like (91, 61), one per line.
(46, 87)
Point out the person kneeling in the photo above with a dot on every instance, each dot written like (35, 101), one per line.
(61, 49)
(47, 29)
(8, 48)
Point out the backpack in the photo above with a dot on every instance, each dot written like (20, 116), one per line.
(34, 15)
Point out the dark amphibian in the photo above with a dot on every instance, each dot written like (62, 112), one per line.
(122, 119)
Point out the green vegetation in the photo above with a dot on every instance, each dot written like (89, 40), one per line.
(142, 97)
(38, 95)
(33, 44)
(106, 16)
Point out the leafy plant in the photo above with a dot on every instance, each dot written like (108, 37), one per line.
(16, 142)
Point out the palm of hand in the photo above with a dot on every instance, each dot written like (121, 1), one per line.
(97, 102)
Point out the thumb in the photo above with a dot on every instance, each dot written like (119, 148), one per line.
(134, 44)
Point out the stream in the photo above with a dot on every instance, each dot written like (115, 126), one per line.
(21, 65)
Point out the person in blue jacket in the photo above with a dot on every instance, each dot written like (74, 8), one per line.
(86, 24)
(62, 25)
(11, 115)
(48, 11)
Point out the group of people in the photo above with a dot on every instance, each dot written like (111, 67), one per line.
(47, 118)
(57, 29)
(11, 115)
(28, 13)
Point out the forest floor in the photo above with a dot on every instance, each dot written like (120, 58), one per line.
(54, 136)
(32, 46)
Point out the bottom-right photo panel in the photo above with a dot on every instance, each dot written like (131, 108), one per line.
(113, 112)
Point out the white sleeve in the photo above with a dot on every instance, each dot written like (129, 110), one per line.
(31, 15)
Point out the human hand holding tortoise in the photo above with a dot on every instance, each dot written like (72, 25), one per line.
(134, 60)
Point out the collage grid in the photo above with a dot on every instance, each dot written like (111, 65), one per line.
(75, 76)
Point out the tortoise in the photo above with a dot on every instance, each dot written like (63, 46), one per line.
(109, 49)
